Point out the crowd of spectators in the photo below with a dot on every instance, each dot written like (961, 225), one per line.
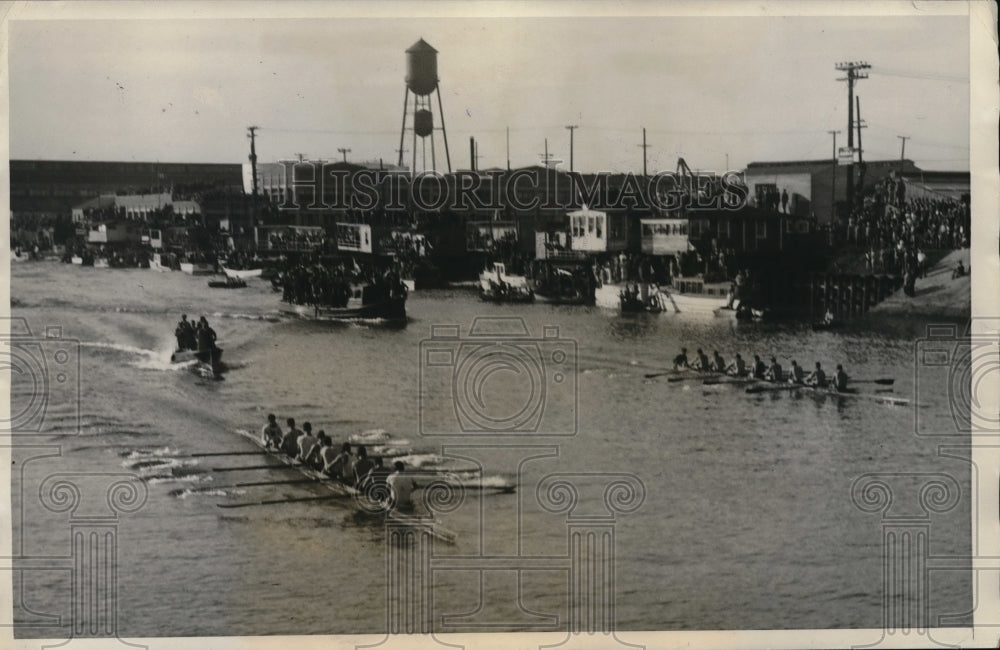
(896, 233)
(330, 285)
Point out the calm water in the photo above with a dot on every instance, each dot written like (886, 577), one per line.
(747, 520)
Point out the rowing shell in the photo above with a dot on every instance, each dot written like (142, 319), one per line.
(436, 531)
(850, 392)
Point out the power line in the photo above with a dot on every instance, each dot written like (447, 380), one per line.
(924, 76)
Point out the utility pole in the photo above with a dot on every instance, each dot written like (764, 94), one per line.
(252, 134)
(902, 150)
(861, 163)
(508, 148)
(855, 70)
(571, 128)
(833, 185)
(300, 156)
(644, 148)
(344, 152)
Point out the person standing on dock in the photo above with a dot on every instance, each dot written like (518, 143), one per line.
(840, 380)
(681, 360)
(271, 433)
(784, 200)
(817, 377)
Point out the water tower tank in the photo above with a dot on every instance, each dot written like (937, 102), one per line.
(423, 122)
(421, 68)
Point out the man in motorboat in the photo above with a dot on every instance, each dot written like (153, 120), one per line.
(185, 334)
(206, 335)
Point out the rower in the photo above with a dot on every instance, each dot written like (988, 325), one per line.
(718, 363)
(738, 367)
(774, 372)
(681, 360)
(307, 443)
(703, 363)
(817, 377)
(840, 380)
(759, 369)
(401, 487)
(290, 441)
(375, 483)
(362, 466)
(334, 461)
(796, 375)
(271, 433)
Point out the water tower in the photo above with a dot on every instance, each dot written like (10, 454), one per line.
(422, 81)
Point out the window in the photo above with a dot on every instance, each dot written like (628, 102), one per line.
(761, 229)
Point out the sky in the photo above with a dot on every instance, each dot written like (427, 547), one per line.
(715, 90)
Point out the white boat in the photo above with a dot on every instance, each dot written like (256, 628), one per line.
(76, 259)
(667, 299)
(198, 268)
(495, 285)
(101, 263)
(242, 274)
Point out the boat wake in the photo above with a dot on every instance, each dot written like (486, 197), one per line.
(147, 359)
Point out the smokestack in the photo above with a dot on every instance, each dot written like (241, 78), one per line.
(472, 153)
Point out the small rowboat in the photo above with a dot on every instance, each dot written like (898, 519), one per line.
(436, 531)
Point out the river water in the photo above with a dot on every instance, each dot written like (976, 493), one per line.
(747, 520)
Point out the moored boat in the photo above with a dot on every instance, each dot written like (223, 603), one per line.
(368, 302)
(495, 285)
(228, 283)
(242, 274)
(197, 268)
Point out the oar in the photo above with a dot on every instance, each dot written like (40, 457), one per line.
(249, 467)
(651, 375)
(228, 453)
(886, 381)
(268, 502)
(293, 481)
